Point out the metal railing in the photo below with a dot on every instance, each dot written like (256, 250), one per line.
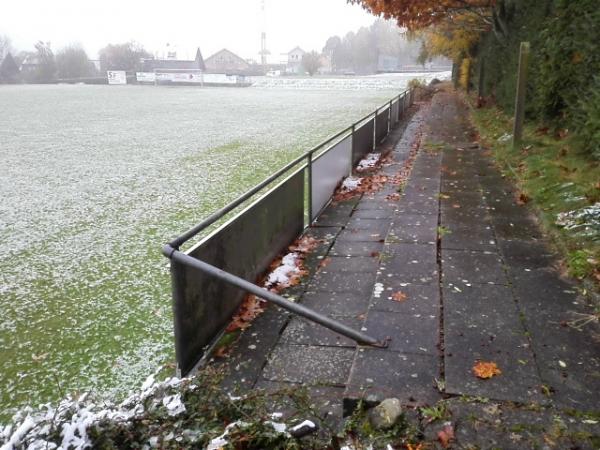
(206, 296)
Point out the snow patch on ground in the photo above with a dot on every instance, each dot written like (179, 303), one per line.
(351, 184)
(75, 416)
(282, 275)
(582, 221)
(369, 161)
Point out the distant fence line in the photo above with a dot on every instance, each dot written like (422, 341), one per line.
(206, 279)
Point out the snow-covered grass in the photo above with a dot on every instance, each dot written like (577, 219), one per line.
(94, 179)
(173, 413)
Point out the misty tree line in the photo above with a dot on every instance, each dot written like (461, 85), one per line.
(359, 51)
(356, 52)
(43, 65)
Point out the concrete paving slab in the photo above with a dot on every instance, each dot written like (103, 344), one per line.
(353, 248)
(250, 352)
(348, 304)
(494, 425)
(475, 267)
(350, 264)
(420, 300)
(465, 236)
(359, 282)
(325, 401)
(311, 365)
(383, 374)
(516, 228)
(303, 332)
(414, 228)
(482, 323)
(409, 263)
(526, 254)
(407, 333)
(386, 213)
(376, 234)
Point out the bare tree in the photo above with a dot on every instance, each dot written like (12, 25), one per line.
(125, 56)
(46, 70)
(311, 62)
(72, 62)
(5, 46)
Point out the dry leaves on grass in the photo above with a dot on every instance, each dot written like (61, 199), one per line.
(399, 297)
(485, 370)
(446, 435)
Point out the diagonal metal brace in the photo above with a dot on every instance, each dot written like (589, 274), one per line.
(269, 296)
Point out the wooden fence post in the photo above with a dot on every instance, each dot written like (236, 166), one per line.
(520, 96)
(481, 78)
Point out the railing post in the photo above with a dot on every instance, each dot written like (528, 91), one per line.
(310, 188)
(352, 147)
(375, 130)
(390, 118)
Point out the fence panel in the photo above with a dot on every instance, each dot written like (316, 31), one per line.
(362, 141)
(327, 171)
(383, 119)
(244, 246)
(395, 111)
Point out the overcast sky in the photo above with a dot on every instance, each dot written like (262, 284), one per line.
(185, 24)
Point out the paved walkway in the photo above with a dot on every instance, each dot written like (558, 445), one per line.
(453, 271)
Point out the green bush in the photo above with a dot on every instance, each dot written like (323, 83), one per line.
(569, 60)
(587, 120)
(565, 58)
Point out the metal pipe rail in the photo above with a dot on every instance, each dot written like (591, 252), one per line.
(186, 236)
(269, 296)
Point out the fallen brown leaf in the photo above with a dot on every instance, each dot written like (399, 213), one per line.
(324, 263)
(446, 435)
(399, 296)
(522, 198)
(485, 370)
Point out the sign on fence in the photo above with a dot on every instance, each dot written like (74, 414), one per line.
(116, 77)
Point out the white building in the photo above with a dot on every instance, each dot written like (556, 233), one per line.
(294, 61)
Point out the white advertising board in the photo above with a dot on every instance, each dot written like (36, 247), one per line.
(220, 78)
(145, 77)
(180, 77)
(116, 77)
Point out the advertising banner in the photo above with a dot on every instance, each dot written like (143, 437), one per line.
(116, 77)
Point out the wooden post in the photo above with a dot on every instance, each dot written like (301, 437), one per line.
(481, 78)
(520, 96)
(455, 73)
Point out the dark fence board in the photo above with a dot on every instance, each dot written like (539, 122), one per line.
(245, 246)
(362, 141)
(383, 119)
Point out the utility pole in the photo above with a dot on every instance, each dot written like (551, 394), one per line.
(263, 36)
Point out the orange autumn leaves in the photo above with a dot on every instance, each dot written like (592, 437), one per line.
(252, 306)
(418, 14)
(486, 370)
